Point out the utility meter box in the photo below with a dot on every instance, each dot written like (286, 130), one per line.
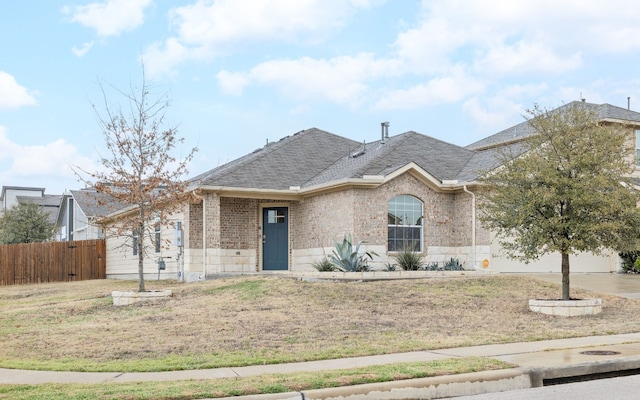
(179, 234)
(161, 265)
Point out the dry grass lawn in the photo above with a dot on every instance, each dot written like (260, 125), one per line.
(255, 320)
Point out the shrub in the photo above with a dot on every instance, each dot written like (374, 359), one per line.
(431, 266)
(323, 265)
(390, 267)
(629, 259)
(346, 258)
(453, 265)
(409, 260)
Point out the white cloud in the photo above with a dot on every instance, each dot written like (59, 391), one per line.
(82, 50)
(42, 162)
(446, 89)
(500, 37)
(13, 95)
(232, 83)
(205, 29)
(110, 17)
(524, 58)
(342, 80)
(496, 110)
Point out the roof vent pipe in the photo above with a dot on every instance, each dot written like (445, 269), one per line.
(628, 102)
(385, 131)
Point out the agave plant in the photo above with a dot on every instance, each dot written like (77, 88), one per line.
(347, 258)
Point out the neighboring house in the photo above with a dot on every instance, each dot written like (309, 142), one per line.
(77, 214)
(12, 195)
(281, 207)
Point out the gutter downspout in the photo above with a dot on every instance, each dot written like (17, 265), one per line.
(204, 234)
(473, 225)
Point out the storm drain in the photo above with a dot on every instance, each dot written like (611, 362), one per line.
(599, 353)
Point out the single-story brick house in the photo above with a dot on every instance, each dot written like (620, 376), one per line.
(281, 207)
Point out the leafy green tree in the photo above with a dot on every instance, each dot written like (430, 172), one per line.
(25, 223)
(568, 191)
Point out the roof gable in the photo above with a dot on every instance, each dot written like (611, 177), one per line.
(291, 161)
(440, 159)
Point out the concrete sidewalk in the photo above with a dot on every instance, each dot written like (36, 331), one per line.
(536, 361)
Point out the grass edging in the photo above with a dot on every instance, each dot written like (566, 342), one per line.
(267, 383)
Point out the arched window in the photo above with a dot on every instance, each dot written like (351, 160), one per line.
(405, 218)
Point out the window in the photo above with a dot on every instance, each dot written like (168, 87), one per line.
(275, 216)
(134, 236)
(638, 148)
(405, 218)
(157, 241)
(70, 217)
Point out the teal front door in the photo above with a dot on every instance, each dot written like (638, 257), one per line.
(275, 239)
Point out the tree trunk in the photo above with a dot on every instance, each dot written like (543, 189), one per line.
(140, 259)
(565, 277)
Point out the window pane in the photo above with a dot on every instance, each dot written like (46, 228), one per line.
(405, 220)
(275, 216)
(158, 239)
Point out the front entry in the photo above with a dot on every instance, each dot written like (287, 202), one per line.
(275, 239)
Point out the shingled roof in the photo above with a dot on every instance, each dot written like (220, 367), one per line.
(94, 204)
(291, 161)
(314, 157)
(605, 112)
(50, 204)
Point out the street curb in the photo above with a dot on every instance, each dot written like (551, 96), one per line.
(422, 388)
(455, 385)
(539, 375)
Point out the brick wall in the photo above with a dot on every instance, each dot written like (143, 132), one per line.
(233, 224)
(239, 225)
(363, 213)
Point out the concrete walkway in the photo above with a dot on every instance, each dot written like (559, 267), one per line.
(623, 285)
(536, 361)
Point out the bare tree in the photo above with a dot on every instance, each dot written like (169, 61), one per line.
(141, 178)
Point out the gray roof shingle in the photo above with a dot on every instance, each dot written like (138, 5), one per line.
(94, 204)
(50, 203)
(523, 129)
(291, 161)
(442, 160)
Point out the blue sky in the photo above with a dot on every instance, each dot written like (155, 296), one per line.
(241, 72)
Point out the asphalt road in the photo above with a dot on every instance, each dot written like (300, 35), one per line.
(621, 388)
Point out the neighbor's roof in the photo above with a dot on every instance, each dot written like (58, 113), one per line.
(95, 204)
(605, 112)
(50, 203)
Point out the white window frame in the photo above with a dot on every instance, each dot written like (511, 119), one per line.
(408, 214)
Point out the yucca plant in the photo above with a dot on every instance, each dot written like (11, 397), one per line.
(409, 260)
(347, 258)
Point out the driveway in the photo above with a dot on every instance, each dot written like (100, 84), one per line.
(623, 285)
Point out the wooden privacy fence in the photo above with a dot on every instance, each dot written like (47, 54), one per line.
(52, 262)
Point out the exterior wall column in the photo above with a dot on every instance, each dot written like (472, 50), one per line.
(212, 232)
